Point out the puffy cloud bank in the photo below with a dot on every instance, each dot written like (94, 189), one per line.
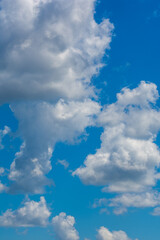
(30, 215)
(105, 234)
(42, 125)
(64, 227)
(50, 50)
(37, 214)
(65, 230)
(129, 158)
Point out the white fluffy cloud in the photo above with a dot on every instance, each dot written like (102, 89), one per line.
(128, 157)
(30, 215)
(140, 200)
(105, 234)
(37, 214)
(50, 49)
(41, 125)
(146, 199)
(64, 227)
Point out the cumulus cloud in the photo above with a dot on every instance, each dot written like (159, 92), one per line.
(30, 215)
(64, 230)
(129, 157)
(50, 49)
(64, 227)
(41, 125)
(141, 200)
(105, 234)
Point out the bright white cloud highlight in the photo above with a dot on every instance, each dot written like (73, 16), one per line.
(3, 188)
(41, 125)
(128, 157)
(105, 234)
(64, 227)
(50, 49)
(30, 215)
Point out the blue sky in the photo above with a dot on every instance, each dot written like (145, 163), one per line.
(80, 119)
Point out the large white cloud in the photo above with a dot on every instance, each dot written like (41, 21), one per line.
(64, 227)
(50, 49)
(41, 125)
(128, 157)
(105, 234)
(30, 215)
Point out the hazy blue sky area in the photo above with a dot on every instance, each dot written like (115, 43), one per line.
(79, 119)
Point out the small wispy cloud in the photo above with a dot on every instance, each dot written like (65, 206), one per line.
(122, 68)
(128, 157)
(155, 14)
(64, 163)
